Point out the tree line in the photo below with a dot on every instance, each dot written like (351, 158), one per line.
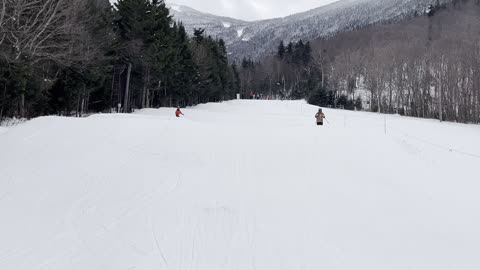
(427, 66)
(71, 57)
(297, 71)
(270, 75)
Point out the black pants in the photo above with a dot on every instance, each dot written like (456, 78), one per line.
(319, 123)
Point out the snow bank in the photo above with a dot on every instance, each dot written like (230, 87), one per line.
(10, 122)
(242, 184)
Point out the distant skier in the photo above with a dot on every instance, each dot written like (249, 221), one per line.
(320, 116)
(252, 95)
(178, 112)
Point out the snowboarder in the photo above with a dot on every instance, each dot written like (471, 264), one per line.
(320, 116)
(178, 112)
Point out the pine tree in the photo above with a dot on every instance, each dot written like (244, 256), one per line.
(131, 23)
(184, 70)
(290, 48)
(307, 53)
(281, 50)
(235, 79)
(245, 63)
(298, 52)
(198, 35)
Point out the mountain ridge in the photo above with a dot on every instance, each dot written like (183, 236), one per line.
(256, 39)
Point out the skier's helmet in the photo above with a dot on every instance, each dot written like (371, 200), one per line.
(320, 110)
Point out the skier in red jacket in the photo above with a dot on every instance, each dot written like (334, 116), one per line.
(178, 112)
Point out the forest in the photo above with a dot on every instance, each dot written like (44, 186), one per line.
(428, 67)
(73, 57)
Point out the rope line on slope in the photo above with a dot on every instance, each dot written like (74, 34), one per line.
(443, 147)
(449, 149)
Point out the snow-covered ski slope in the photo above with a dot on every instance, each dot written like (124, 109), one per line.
(239, 185)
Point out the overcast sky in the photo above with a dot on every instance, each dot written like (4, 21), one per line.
(252, 9)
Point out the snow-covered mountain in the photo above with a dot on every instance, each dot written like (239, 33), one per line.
(259, 38)
(222, 27)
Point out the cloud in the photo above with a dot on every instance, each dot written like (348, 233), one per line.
(252, 9)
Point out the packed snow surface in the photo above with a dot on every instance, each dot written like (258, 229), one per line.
(239, 185)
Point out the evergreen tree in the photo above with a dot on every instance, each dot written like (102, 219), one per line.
(290, 48)
(198, 35)
(307, 53)
(184, 69)
(245, 63)
(281, 50)
(235, 84)
(133, 55)
(298, 52)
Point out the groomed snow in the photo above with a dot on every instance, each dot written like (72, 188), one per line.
(239, 185)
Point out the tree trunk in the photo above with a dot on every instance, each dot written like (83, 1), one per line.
(323, 78)
(147, 101)
(111, 92)
(379, 102)
(84, 102)
(165, 90)
(3, 100)
(22, 98)
(476, 97)
(146, 79)
(440, 104)
(127, 90)
(390, 98)
(144, 91)
(79, 101)
(87, 101)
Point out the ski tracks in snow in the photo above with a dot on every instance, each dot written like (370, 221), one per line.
(91, 220)
(217, 192)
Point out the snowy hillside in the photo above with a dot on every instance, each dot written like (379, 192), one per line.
(262, 37)
(239, 185)
(222, 27)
